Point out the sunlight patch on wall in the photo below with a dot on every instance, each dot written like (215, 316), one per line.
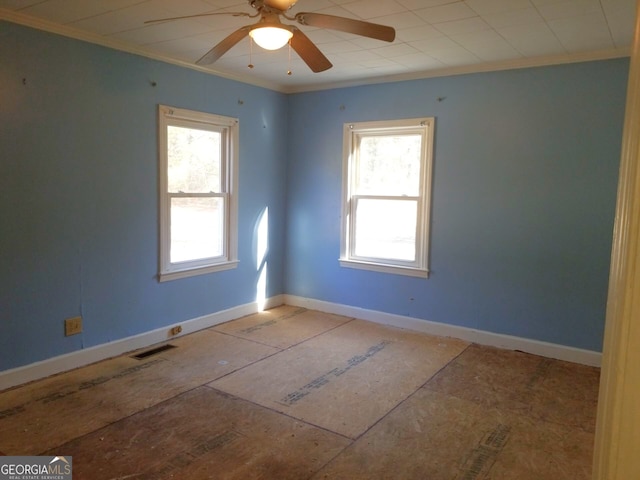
(262, 248)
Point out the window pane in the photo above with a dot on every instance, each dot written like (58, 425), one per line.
(193, 160)
(386, 229)
(389, 165)
(196, 228)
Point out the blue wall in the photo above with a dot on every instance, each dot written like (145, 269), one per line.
(525, 177)
(79, 201)
(526, 165)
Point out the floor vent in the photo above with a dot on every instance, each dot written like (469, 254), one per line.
(153, 351)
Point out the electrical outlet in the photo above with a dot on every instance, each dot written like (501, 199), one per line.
(72, 326)
(176, 330)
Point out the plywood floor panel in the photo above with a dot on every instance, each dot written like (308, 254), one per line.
(203, 434)
(439, 437)
(543, 450)
(492, 377)
(568, 395)
(283, 326)
(346, 379)
(44, 414)
(310, 395)
(207, 355)
(543, 388)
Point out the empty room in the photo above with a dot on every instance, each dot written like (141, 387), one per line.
(393, 245)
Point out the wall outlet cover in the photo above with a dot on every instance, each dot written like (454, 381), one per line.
(72, 326)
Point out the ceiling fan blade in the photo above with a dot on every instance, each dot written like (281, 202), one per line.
(349, 25)
(224, 46)
(169, 19)
(282, 5)
(311, 55)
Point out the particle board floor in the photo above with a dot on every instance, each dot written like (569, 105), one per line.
(298, 394)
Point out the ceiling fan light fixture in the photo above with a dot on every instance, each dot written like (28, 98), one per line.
(271, 38)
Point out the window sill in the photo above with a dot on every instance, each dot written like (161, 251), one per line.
(385, 268)
(192, 272)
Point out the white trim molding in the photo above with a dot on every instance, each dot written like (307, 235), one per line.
(536, 347)
(109, 42)
(358, 191)
(223, 142)
(81, 358)
(122, 46)
(617, 438)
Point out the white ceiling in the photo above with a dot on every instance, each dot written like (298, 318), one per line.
(434, 37)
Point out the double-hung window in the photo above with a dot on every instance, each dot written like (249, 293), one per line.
(198, 155)
(386, 196)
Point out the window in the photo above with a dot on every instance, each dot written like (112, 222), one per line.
(386, 192)
(198, 192)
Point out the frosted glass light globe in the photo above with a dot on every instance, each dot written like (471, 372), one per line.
(271, 38)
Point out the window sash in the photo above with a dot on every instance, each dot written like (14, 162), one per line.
(178, 265)
(222, 153)
(417, 237)
(356, 167)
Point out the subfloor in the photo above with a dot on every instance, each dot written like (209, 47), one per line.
(298, 394)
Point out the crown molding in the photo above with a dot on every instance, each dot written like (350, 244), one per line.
(70, 32)
(514, 64)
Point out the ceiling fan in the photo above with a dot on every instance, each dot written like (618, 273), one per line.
(269, 23)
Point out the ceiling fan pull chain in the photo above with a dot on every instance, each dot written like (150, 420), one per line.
(250, 52)
(289, 70)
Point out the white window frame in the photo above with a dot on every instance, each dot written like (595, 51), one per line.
(229, 127)
(352, 134)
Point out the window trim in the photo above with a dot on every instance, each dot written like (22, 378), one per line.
(229, 126)
(351, 134)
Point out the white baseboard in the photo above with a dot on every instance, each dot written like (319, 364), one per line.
(545, 349)
(80, 358)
